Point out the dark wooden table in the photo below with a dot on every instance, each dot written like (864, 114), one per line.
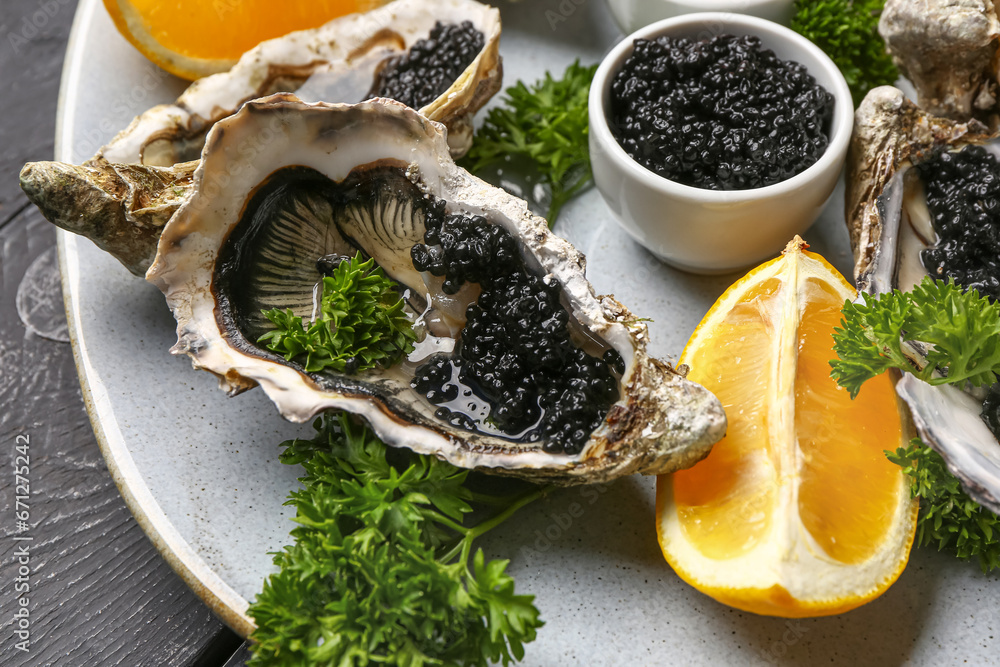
(99, 593)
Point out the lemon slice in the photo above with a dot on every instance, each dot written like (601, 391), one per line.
(796, 512)
(195, 38)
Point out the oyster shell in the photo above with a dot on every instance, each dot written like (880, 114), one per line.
(122, 197)
(326, 180)
(336, 62)
(948, 49)
(889, 225)
(122, 208)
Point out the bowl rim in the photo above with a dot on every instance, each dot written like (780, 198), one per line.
(725, 3)
(841, 125)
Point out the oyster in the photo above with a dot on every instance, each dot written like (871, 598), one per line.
(890, 226)
(948, 49)
(122, 197)
(258, 229)
(345, 60)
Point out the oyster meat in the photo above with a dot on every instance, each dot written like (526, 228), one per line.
(899, 160)
(518, 367)
(948, 50)
(382, 52)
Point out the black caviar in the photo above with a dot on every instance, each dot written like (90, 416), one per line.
(991, 409)
(963, 196)
(719, 114)
(515, 350)
(422, 74)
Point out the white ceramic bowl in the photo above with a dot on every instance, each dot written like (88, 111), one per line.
(631, 15)
(710, 231)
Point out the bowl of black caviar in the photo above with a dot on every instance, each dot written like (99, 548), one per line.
(717, 137)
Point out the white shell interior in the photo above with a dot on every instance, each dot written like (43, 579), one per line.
(951, 416)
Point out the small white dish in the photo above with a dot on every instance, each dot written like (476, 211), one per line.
(631, 15)
(710, 231)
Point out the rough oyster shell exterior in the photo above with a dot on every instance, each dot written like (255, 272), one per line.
(341, 50)
(122, 208)
(948, 49)
(662, 421)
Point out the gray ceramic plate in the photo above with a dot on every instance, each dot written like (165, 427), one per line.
(201, 475)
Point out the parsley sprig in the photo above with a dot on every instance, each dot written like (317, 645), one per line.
(847, 31)
(547, 124)
(360, 324)
(382, 570)
(949, 518)
(962, 330)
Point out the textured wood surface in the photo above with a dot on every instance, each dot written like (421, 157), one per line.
(99, 594)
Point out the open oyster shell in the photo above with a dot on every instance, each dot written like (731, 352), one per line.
(889, 225)
(122, 197)
(948, 49)
(336, 62)
(660, 422)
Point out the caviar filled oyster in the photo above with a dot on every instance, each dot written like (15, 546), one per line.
(923, 199)
(438, 56)
(516, 365)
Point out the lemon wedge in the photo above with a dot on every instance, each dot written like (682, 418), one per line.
(195, 38)
(796, 512)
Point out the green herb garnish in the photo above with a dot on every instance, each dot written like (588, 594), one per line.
(547, 124)
(360, 323)
(382, 569)
(847, 30)
(962, 329)
(949, 518)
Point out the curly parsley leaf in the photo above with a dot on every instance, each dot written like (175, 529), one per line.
(547, 124)
(963, 327)
(382, 569)
(961, 330)
(949, 518)
(847, 31)
(361, 323)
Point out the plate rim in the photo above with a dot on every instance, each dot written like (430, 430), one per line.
(228, 605)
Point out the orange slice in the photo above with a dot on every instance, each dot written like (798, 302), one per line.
(195, 38)
(796, 512)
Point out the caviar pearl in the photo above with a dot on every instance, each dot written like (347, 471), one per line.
(515, 349)
(963, 196)
(719, 114)
(425, 72)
